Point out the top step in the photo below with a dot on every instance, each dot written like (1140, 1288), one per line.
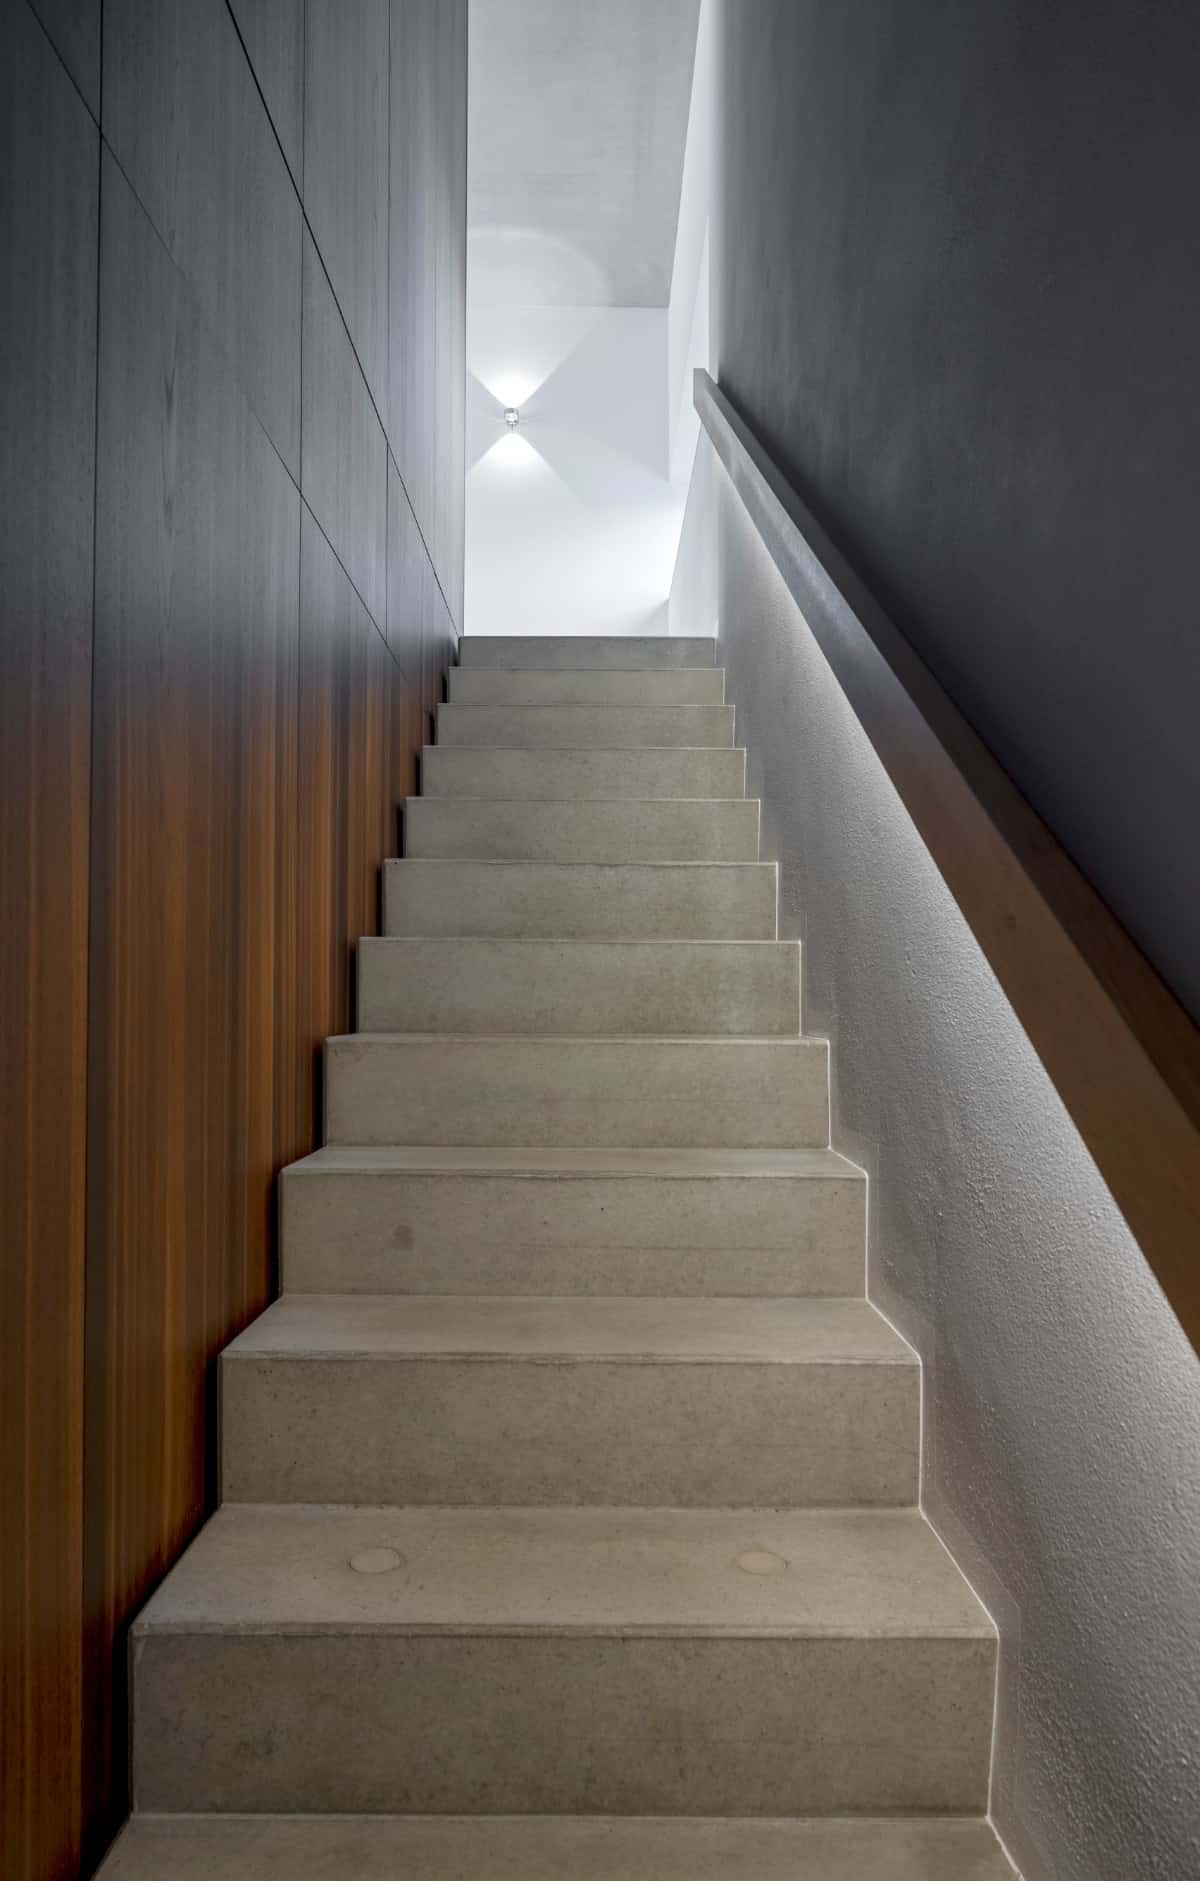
(585, 652)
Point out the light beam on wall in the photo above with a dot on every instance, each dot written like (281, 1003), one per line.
(513, 453)
(511, 387)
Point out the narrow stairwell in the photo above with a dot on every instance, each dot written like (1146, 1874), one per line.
(569, 1517)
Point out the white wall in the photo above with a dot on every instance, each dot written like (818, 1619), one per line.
(573, 525)
(693, 605)
(572, 521)
(689, 335)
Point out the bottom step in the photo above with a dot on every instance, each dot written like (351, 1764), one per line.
(552, 1661)
(548, 1848)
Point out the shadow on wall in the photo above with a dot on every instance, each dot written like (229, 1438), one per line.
(572, 521)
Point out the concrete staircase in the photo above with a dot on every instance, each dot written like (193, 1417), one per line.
(568, 1520)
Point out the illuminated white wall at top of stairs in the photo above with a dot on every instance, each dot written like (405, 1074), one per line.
(572, 521)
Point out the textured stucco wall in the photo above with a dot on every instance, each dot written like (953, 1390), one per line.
(1062, 1407)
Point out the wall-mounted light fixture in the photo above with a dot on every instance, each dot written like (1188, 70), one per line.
(512, 417)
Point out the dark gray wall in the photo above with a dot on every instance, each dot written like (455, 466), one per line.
(959, 297)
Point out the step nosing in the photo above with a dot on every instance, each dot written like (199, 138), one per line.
(571, 1175)
(554, 803)
(543, 1629)
(520, 862)
(500, 1355)
(311, 1166)
(646, 1041)
(566, 940)
(586, 751)
(591, 672)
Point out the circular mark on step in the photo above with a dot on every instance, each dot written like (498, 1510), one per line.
(761, 1561)
(376, 1561)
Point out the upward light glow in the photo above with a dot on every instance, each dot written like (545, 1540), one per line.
(510, 388)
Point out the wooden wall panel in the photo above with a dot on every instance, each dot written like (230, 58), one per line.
(332, 620)
(49, 158)
(273, 32)
(73, 27)
(428, 262)
(224, 206)
(203, 744)
(195, 644)
(344, 471)
(346, 166)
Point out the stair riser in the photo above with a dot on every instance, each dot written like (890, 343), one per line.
(458, 771)
(695, 685)
(583, 832)
(525, 1434)
(384, 1233)
(589, 652)
(594, 1725)
(577, 1094)
(584, 988)
(560, 901)
(584, 727)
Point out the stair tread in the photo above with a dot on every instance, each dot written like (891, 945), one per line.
(858, 1573)
(589, 725)
(584, 751)
(618, 685)
(545, 1848)
(571, 803)
(646, 773)
(796, 1331)
(434, 942)
(650, 1042)
(506, 898)
(587, 652)
(557, 1164)
(696, 1092)
(459, 863)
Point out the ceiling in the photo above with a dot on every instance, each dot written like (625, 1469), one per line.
(578, 118)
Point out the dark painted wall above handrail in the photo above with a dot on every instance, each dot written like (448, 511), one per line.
(957, 293)
(1121, 1050)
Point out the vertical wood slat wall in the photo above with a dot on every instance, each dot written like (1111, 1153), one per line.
(230, 582)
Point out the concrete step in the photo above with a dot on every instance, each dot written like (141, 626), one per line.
(667, 988)
(584, 727)
(586, 1093)
(551, 1848)
(657, 1222)
(680, 685)
(377, 1398)
(591, 652)
(704, 771)
(593, 1661)
(649, 830)
(708, 901)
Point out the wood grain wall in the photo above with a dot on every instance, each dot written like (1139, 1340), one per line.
(231, 527)
(48, 213)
